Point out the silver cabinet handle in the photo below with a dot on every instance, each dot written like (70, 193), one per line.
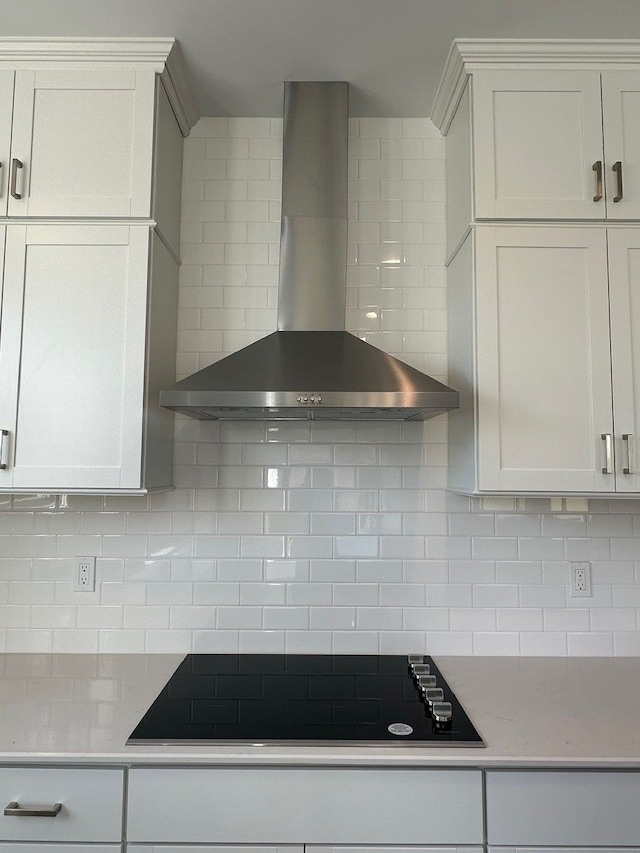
(14, 809)
(0, 183)
(4, 442)
(597, 168)
(617, 168)
(608, 452)
(15, 165)
(628, 439)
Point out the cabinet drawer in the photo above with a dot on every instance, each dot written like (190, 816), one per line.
(60, 848)
(91, 804)
(563, 808)
(321, 806)
(558, 850)
(212, 848)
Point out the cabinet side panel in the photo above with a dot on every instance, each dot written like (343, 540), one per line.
(161, 365)
(167, 169)
(458, 159)
(462, 451)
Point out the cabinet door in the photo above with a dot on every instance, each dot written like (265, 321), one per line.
(621, 118)
(537, 135)
(624, 295)
(72, 352)
(543, 360)
(6, 111)
(84, 139)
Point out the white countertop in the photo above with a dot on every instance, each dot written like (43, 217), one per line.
(545, 712)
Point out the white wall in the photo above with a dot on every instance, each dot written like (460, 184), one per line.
(332, 537)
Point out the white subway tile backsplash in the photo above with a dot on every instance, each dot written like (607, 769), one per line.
(317, 537)
(286, 618)
(590, 645)
(545, 643)
(522, 619)
(496, 644)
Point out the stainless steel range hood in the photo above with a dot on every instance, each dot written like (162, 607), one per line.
(311, 368)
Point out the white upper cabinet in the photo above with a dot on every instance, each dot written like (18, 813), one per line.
(93, 130)
(73, 349)
(543, 315)
(539, 150)
(552, 130)
(543, 364)
(90, 131)
(82, 144)
(545, 352)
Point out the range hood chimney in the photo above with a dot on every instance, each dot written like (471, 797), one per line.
(311, 368)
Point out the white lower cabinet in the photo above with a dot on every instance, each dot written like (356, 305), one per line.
(90, 808)
(87, 337)
(346, 806)
(563, 809)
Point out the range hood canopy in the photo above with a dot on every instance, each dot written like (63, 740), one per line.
(311, 368)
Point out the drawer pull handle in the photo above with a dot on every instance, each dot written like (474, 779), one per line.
(15, 165)
(617, 168)
(597, 168)
(16, 810)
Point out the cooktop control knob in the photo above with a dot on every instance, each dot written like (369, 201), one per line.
(433, 695)
(420, 669)
(416, 659)
(426, 681)
(442, 714)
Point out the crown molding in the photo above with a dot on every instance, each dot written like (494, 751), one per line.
(160, 55)
(178, 89)
(450, 89)
(20, 52)
(468, 55)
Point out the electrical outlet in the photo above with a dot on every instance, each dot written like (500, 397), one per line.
(85, 574)
(580, 580)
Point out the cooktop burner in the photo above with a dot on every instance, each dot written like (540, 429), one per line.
(321, 699)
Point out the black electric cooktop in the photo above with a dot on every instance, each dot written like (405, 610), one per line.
(319, 699)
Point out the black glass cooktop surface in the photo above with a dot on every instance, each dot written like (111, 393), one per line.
(289, 699)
